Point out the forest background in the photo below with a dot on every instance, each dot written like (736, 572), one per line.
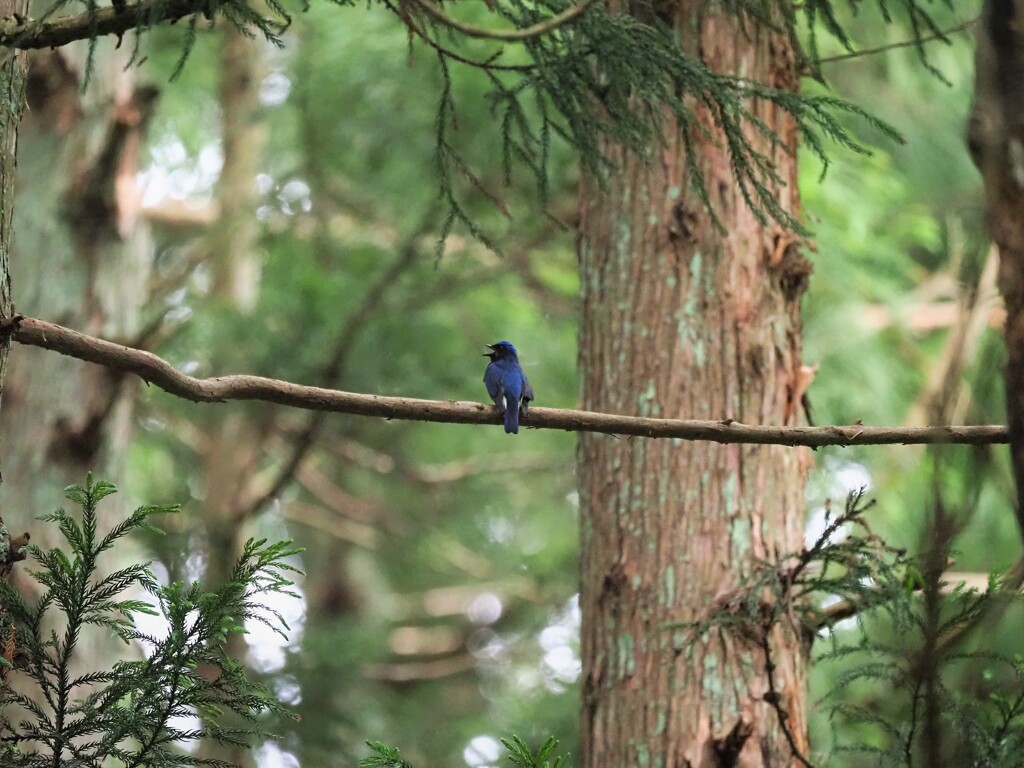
(281, 213)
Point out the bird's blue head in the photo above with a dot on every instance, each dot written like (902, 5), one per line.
(502, 350)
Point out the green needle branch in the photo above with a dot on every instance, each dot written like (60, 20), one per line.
(157, 371)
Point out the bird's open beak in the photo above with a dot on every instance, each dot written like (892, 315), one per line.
(488, 354)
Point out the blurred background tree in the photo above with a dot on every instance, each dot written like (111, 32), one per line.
(439, 606)
(440, 565)
(905, 271)
(84, 254)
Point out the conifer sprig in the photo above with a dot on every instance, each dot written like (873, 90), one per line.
(518, 753)
(140, 711)
(617, 78)
(598, 78)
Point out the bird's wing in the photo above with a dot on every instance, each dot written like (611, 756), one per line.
(527, 391)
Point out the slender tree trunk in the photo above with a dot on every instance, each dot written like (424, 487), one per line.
(683, 321)
(996, 139)
(230, 444)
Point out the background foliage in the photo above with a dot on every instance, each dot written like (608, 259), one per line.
(438, 607)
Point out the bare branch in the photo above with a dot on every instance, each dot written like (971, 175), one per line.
(365, 536)
(54, 33)
(339, 501)
(832, 614)
(430, 8)
(437, 474)
(413, 671)
(155, 370)
(940, 35)
(332, 372)
(774, 699)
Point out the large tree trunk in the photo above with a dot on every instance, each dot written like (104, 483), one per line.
(82, 259)
(681, 321)
(12, 85)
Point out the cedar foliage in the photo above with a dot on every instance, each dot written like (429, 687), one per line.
(617, 62)
(897, 695)
(519, 754)
(140, 712)
(901, 658)
(602, 77)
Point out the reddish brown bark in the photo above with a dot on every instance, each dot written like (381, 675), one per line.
(680, 321)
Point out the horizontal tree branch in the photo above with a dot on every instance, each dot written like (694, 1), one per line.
(157, 371)
(16, 32)
(61, 30)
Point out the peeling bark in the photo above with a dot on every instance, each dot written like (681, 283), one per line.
(680, 321)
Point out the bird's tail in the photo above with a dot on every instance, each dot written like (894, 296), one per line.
(512, 418)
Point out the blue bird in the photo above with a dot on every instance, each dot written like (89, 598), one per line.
(507, 384)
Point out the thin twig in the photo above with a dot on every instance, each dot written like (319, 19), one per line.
(332, 372)
(487, 64)
(1009, 588)
(157, 371)
(942, 34)
(511, 35)
(365, 536)
(774, 700)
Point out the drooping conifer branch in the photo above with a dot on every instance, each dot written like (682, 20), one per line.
(155, 370)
